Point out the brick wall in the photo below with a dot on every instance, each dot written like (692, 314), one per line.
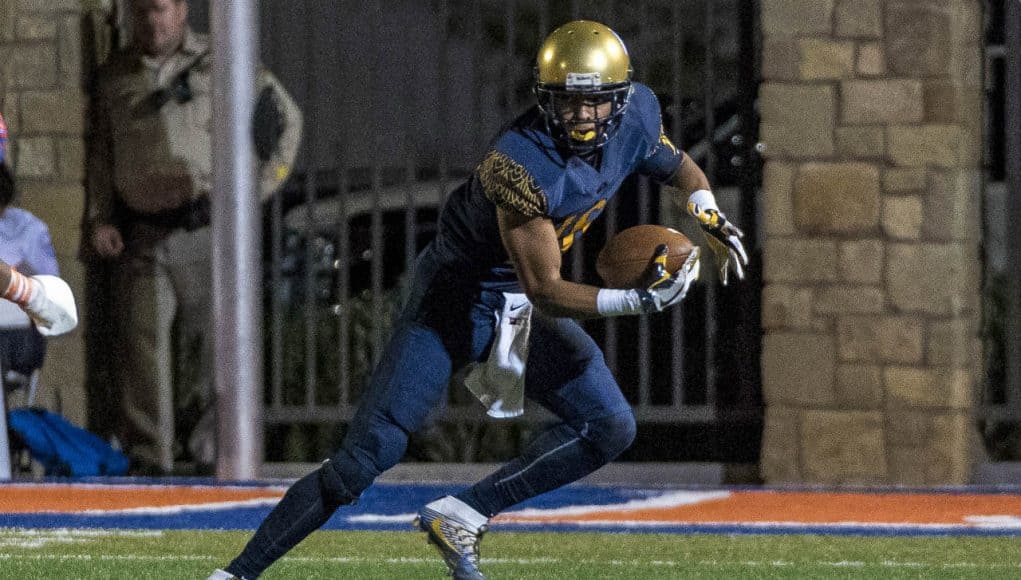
(872, 117)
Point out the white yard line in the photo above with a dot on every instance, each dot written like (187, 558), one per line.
(79, 532)
(886, 564)
(36, 539)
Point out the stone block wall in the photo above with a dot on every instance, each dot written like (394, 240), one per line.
(872, 120)
(43, 102)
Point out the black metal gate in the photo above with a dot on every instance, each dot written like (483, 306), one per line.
(1001, 409)
(400, 99)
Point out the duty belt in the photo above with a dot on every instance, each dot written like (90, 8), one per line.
(190, 216)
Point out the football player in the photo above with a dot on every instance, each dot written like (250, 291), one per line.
(488, 292)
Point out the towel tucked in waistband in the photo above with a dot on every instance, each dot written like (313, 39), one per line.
(499, 382)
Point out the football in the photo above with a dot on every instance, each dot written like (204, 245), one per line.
(625, 259)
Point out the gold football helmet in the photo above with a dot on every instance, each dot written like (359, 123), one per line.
(582, 64)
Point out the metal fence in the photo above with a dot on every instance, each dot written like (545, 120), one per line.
(400, 99)
(1001, 408)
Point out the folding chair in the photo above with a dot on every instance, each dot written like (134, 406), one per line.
(21, 357)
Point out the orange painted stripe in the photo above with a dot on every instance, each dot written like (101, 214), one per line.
(77, 498)
(738, 507)
(808, 508)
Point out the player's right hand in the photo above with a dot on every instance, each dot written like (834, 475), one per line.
(665, 289)
(107, 241)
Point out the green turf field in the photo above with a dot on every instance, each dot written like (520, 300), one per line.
(100, 554)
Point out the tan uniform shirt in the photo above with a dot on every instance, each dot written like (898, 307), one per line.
(155, 153)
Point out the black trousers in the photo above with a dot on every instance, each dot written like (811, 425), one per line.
(21, 349)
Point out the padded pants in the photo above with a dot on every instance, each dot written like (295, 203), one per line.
(445, 326)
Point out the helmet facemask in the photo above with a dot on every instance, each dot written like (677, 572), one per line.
(583, 133)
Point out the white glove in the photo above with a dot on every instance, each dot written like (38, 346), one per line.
(723, 237)
(667, 289)
(52, 306)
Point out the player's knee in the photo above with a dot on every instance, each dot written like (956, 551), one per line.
(612, 435)
(335, 492)
(366, 453)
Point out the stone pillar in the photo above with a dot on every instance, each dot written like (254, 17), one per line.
(41, 98)
(872, 119)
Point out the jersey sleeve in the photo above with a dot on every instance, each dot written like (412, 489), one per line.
(662, 158)
(510, 186)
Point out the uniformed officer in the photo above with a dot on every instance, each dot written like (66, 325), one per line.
(149, 198)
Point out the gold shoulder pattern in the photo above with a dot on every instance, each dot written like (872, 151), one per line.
(666, 140)
(509, 185)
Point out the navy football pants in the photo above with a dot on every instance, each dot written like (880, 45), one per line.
(445, 326)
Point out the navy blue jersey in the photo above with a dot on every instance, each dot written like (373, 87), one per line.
(525, 171)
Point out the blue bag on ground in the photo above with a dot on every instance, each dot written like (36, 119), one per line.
(64, 449)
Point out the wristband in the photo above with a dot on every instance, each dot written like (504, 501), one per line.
(611, 302)
(20, 290)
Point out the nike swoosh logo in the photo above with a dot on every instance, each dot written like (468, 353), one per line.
(435, 525)
(518, 307)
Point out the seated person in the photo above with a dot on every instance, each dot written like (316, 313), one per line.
(28, 272)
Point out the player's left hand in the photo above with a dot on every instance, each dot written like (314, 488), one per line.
(724, 238)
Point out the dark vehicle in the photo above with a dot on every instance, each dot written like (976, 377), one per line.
(337, 232)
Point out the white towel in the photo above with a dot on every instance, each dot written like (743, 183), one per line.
(499, 383)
